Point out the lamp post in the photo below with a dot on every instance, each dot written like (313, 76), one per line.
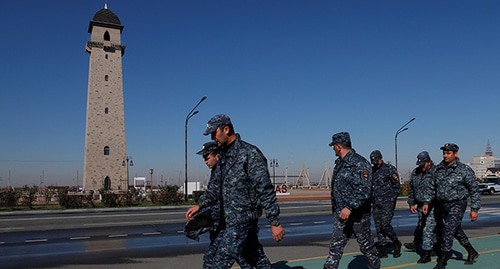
(274, 164)
(151, 173)
(189, 115)
(400, 130)
(128, 162)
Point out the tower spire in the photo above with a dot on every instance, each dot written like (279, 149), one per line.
(105, 5)
(489, 151)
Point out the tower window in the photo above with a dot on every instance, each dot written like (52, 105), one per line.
(106, 150)
(106, 36)
(107, 183)
(106, 77)
(106, 56)
(106, 110)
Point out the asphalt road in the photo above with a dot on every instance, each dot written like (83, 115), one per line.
(137, 238)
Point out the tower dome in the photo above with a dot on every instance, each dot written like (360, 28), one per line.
(105, 17)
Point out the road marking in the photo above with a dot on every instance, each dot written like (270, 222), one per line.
(153, 233)
(296, 224)
(180, 231)
(117, 235)
(319, 222)
(11, 229)
(95, 216)
(36, 240)
(123, 223)
(80, 238)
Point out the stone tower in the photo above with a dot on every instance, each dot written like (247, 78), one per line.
(105, 158)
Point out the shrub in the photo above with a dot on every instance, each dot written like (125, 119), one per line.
(168, 195)
(8, 197)
(153, 196)
(69, 201)
(133, 197)
(28, 196)
(405, 186)
(196, 195)
(109, 199)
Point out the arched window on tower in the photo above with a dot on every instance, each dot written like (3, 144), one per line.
(106, 56)
(107, 183)
(106, 36)
(106, 150)
(106, 77)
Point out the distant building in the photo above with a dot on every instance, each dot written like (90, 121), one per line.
(481, 164)
(105, 160)
(493, 172)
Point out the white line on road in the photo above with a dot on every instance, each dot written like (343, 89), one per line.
(153, 233)
(36, 240)
(117, 235)
(296, 224)
(80, 238)
(319, 222)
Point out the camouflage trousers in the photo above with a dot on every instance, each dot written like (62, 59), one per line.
(383, 212)
(426, 228)
(342, 231)
(238, 243)
(449, 218)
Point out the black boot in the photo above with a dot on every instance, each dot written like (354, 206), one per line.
(396, 253)
(382, 252)
(442, 260)
(425, 257)
(411, 246)
(471, 258)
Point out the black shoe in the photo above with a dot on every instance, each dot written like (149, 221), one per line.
(411, 246)
(382, 252)
(442, 260)
(425, 257)
(396, 253)
(473, 255)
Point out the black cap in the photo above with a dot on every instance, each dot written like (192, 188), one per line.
(215, 122)
(422, 158)
(450, 147)
(208, 148)
(375, 156)
(342, 137)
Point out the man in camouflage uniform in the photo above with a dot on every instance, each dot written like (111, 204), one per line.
(455, 183)
(351, 189)
(386, 188)
(242, 189)
(421, 195)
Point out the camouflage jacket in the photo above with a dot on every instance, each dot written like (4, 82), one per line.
(456, 182)
(386, 186)
(351, 184)
(246, 185)
(422, 189)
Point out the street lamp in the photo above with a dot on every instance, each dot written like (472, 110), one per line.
(274, 164)
(189, 115)
(128, 162)
(400, 130)
(151, 173)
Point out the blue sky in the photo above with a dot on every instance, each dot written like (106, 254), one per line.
(288, 73)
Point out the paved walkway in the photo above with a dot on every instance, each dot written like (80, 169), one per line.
(488, 248)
